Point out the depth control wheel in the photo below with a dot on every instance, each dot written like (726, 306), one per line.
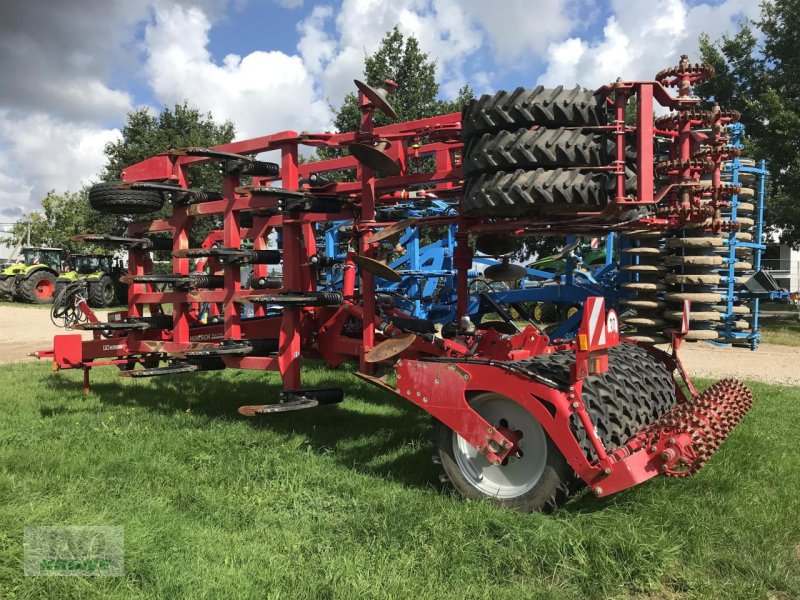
(534, 477)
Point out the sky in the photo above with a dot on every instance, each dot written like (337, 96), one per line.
(71, 70)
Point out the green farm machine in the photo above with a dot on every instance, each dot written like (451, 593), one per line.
(34, 279)
(98, 273)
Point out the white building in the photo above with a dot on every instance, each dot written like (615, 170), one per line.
(783, 263)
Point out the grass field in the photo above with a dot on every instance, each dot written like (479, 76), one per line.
(783, 331)
(343, 501)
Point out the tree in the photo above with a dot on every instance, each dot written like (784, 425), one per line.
(760, 77)
(62, 216)
(145, 135)
(401, 60)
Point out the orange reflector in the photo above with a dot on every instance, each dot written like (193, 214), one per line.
(583, 341)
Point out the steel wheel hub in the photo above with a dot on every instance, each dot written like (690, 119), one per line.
(523, 467)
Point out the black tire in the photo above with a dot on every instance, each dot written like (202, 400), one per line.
(531, 149)
(31, 289)
(101, 292)
(260, 168)
(635, 391)
(546, 312)
(522, 193)
(108, 198)
(7, 288)
(526, 107)
(550, 491)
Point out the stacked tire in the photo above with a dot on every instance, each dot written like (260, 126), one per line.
(532, 151)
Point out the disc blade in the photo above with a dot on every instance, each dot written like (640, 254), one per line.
(373, 158)
(495, 244)
(391, 230)
(505, 272)
(566, 250)
(390, 348)
(377, 268)
(377, 97)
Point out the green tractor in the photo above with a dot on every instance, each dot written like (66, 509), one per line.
(98, 272)
(34, 278)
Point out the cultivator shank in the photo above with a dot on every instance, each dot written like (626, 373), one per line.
(333, 268)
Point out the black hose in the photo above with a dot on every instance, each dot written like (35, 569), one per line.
(66, 311)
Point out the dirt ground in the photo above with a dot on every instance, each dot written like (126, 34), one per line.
(25, 329)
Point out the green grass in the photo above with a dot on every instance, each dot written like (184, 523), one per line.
(783, 331)
(342, 501)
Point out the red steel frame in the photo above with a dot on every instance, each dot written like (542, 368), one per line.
(436, 374)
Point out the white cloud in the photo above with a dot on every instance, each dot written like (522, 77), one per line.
(42, 152)
(261, 92)
(637, 43)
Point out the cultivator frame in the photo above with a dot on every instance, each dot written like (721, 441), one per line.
(345, 317)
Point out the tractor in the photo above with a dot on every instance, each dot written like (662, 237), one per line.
(520, 416)
(99, 274)
(34, 279)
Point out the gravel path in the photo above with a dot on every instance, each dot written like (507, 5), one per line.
(24, 329)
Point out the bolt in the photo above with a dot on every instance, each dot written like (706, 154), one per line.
(436, 380)
(490, 430)
(663, 468)
(571, 396)
(419, 394)
(424, 398)
(575, 405)
(496, 463)
(653, 448)
(607, 471)
(506, 445)
(572, 388)
(671, 441)
(665, 456)
(597, 490)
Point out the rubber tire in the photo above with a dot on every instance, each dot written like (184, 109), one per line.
(523, 192)
(550, 492)
(102, 292)
(108, 198)
(635, 391)
(7, 289)
(525, 107)
(549, 312)
(530, 149)
(27, 288)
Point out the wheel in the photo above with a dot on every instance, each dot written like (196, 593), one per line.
(101, 292)
(521, 192)
(635, 391)
(535, 479)
(38, 288)
(531, 149)
(7, 288)
(108, 198)
(534, 106)
(60, 285)
(545, 312)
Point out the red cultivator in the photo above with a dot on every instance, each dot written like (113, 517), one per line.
(518, 417)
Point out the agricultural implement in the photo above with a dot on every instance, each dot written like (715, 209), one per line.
(33, 280)
(519, 416)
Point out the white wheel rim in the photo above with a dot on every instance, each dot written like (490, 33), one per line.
(518, 474)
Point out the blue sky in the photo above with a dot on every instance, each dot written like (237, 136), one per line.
(270, 65)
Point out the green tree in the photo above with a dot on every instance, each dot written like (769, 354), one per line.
(145, 135)
(759, 75)
(400, 59)
(62, 216)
